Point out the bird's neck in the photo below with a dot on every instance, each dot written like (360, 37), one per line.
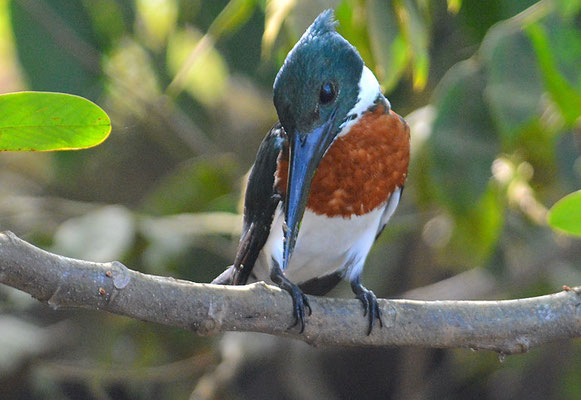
(361, 169)
(369, 95)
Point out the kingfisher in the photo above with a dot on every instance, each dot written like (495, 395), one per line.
(327, 177)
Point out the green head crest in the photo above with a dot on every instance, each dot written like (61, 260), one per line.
(319, 76)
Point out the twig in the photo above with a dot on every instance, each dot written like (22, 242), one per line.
(509, 326)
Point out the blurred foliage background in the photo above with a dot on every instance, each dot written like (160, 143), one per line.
(491, 89)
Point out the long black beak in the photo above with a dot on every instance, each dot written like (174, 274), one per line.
(306, 152)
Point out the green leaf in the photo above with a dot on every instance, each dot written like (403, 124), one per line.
(514, 89)
(454, 6)
(197, 66)
(157, 20)
(569, 8)
(350, 14)
(201, 184)
(415, 31)
(387, 42)
(235, 14)
(57, 47)
(566, 96)
(477, 232)
(275, 14)
(463, 143)
(37, 121)
(565, 215)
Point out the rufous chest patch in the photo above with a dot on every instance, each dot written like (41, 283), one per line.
(361, 168)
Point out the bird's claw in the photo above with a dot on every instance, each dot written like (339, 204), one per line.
(300, 303)
(371, 308)
(300, 300)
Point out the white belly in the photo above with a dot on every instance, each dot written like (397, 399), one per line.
(324, 245)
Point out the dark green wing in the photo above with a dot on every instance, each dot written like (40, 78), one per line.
(260, 204)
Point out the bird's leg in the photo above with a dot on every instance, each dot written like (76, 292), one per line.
(300, 301)
(369, 301)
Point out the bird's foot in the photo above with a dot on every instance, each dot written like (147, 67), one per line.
(300, 303)
(300, 300)
(370, 305)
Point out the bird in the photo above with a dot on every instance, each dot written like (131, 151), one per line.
(327, 177)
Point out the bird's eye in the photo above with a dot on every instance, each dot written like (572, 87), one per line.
(327, 93)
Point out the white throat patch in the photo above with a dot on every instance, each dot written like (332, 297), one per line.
(368, 91)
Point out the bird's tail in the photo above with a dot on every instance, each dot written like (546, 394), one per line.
(226, 277)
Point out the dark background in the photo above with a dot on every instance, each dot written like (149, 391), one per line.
(492, 92)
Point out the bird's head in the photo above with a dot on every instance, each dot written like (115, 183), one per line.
(315, 92)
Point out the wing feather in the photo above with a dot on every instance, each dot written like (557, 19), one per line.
(389, 209)
(260, 203)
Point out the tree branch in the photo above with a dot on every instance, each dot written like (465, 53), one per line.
(509, 326)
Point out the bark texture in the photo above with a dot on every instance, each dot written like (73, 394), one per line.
(507, 326)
